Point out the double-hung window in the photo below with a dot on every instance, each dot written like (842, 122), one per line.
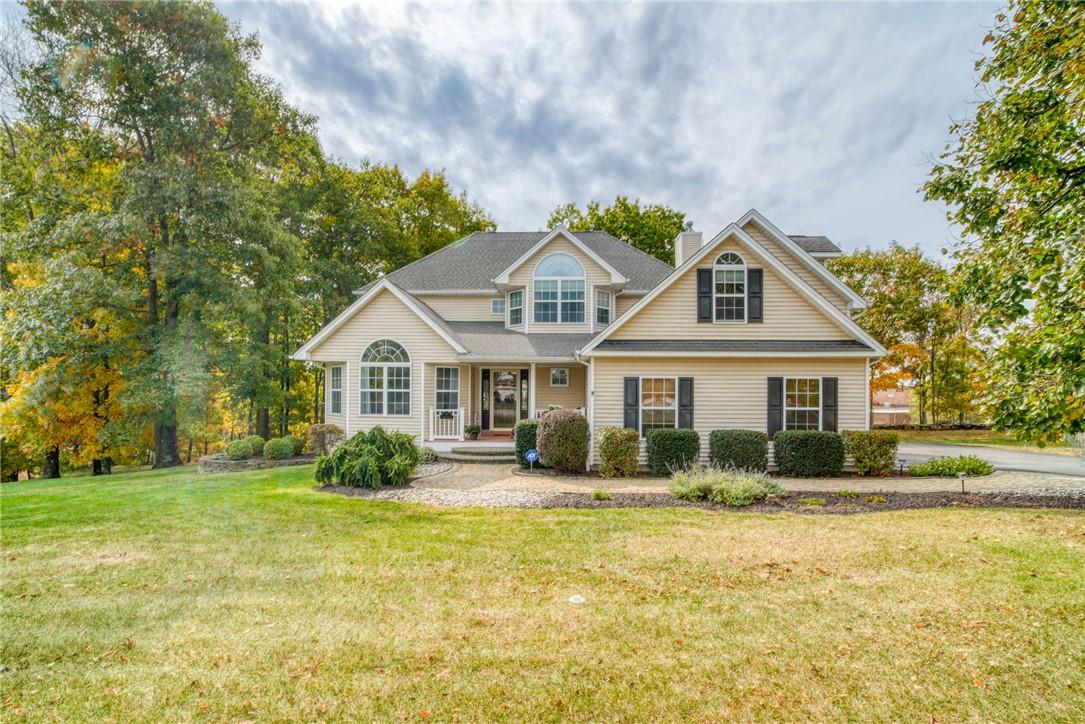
(658, 403)
(335, 390)
(516, 307)
(602, 306)
(559, 290)
(447, 388)
(729, 293)
(802, 403)
(385, 379)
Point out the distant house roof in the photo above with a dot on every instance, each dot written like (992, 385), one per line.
(472, 262)
(493, 339)
(815, 244)
(731, 345)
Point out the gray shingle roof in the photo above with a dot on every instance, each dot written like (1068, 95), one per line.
(815, 244)
(732, 345)
(473, 262)
(492, 339)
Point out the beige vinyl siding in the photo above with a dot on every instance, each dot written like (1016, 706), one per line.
(807, 274)
(463, 308)
(523, 276)
(571, 396)
(787, 314)
(623, 302)
(383, 317)
(729, 392)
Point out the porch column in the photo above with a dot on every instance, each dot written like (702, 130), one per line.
(422, 405)
(531, 392)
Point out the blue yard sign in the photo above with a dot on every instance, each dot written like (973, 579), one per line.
(532, 457)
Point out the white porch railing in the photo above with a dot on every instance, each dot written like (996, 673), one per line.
(540, 413)
(446, 424)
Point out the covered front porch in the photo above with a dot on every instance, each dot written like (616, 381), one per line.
(494, 397)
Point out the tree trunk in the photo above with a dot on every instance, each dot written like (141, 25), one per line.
(107, 465)
(318, 394)
(96, 466)
(263, 414)
(51, 469)
(190, 450)
(263, 423)
(165, 443)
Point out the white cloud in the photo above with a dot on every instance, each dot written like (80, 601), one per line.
(821, 116)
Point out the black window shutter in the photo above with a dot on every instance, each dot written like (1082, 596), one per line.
(828, 404)
(631, 401)
(776, 405)
(485, 398)
(755, 295)
(524, 392)
(704, 295)
(685, 403)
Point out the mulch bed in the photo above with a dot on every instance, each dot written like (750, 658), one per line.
(833, 504)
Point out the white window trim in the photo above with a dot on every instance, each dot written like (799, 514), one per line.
(640, 401)
(494, 311)
(509, 307)
(583, 279)
(609, 306)
(437, 386)
(332, 389)
(783, 423)
(362, 375)
(716, 269)
(559, 369)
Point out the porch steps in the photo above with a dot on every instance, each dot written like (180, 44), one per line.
(501, 455)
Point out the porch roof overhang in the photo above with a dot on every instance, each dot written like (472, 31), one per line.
(492, 341)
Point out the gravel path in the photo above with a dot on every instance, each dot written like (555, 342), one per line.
(503, 486)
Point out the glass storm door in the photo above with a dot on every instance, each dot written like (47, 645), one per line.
(505, 401)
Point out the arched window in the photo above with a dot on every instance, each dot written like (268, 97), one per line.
(385, 385)
(559, 289)
(729, 277)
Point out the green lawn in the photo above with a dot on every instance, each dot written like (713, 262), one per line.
(167, 596)
(979, 437)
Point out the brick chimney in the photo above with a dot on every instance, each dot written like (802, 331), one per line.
(686, 245)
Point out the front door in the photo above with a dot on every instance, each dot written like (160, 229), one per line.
(505, 399)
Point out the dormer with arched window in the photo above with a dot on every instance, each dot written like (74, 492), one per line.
(729, 288)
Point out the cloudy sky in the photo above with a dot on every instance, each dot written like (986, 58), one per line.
(823, 117)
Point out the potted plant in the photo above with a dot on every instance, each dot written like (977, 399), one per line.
(472, 431)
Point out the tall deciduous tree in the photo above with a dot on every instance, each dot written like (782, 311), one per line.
(168, 93)
(650, 228)
(1015, 183)
(931, 341)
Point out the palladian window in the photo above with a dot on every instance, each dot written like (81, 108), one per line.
(385, 384)
(559, 290)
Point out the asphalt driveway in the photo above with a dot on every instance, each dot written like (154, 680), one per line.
(1001, 458)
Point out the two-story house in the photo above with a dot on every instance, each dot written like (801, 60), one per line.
(748, 330)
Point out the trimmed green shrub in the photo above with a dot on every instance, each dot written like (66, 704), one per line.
(602, 495)
(238, 449)
(427, 455)
(562, 436)
(618, 451)
(739, 449)
(323, 437)
(874, 451)
(370, 460)
(727, 487)
(671, 449)
(256, 445)
(278, 448)
(296, 444)
(808, 453)
(525, 433)
(950, 466)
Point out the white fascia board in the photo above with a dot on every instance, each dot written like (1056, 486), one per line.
(615, 276)
(854, 300)
(304, 352)
(794, 279)
(677, 354)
